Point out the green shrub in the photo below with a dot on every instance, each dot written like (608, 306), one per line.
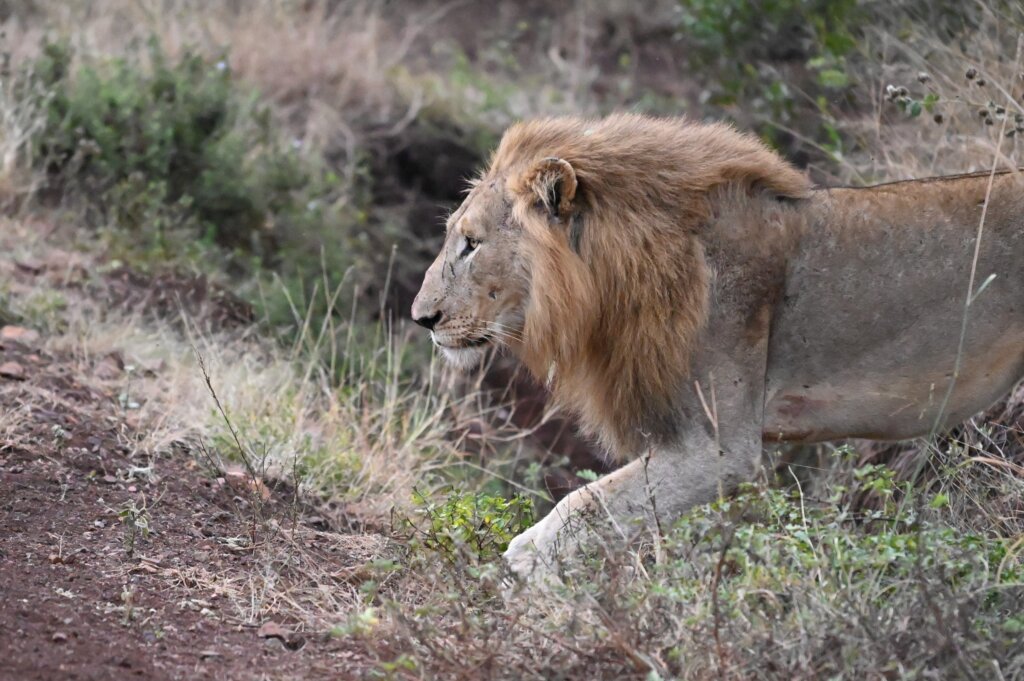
(736, 35)
(173, 156)
(752, 30)
(174, 145)
(769, 583)
(781, 538)
(744, 46)
(476, 527)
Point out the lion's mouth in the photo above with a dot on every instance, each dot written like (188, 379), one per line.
(463, 343)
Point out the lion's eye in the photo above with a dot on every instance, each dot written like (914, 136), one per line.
(471, 245)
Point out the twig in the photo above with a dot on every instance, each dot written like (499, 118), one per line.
(254, 476)
(654, 506)
(711, 413)
(716, 611)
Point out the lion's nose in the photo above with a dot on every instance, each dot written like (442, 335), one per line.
(428, 322)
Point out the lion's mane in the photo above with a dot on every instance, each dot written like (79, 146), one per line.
(616, 308)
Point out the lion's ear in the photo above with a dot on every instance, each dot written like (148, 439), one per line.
(553, 182)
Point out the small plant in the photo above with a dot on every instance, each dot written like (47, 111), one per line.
(128, 604)
(477, 527)
(136, 524)
(989, 113)
(60, 437)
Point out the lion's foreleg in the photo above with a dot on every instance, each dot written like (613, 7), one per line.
(646, 494)
(719, 447)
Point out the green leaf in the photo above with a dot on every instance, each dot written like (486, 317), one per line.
(833, 78)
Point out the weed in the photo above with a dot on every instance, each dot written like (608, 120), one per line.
(60, 437)
(767, 583)
(128, 603)
(472, 527)
(136, 522)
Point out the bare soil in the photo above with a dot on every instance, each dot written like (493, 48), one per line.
(79, 599)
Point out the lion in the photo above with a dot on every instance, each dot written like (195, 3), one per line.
(689, 295)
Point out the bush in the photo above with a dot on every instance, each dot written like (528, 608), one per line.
(175, 145)
(757, 55)
(768, 584)
(750, 30)
(477, 527)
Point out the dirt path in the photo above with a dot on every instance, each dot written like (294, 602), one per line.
(83, 595)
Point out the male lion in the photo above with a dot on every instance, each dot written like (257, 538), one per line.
(689, 295)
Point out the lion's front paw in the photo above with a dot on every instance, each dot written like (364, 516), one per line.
(522, 555)
(531, 559)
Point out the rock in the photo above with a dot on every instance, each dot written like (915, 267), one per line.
(272, 630)
(19, 334)
(59, 637)
(30, 265)
(12, 370)
(110, 367)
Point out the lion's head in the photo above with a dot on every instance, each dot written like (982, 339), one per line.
(577, 250)
(475, 292)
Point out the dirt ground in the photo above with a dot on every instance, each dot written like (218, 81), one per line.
(85, 593)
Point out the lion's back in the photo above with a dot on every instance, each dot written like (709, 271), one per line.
(874, 303)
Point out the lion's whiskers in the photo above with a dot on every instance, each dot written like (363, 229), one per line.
(502, 331)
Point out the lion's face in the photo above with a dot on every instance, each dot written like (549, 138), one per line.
(475, 292)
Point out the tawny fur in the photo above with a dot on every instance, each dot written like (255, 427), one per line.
(617, 324)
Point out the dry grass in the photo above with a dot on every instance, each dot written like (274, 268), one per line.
(884, 144)
(343, 454)
(19, 122)
(366, 442)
